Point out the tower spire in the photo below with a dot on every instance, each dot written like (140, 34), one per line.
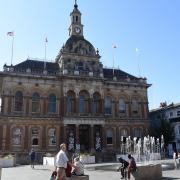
(75, 5)
(76, 28)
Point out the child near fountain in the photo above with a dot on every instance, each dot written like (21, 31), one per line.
(132, 165)
(124, 165)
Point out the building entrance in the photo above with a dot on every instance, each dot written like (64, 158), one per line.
(84, 138)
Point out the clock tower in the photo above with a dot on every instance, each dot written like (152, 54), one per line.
(76, 28)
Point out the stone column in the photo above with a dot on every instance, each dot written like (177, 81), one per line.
(4, 138)
(92, 138)
(102, 106)
(127, 109)
(24, 105)
(146, 110)
(77, 133)
(90, 105)
(27, 104)
(76, 105)
(1, 137)
(103, 137)
(142, 110)
(9, 110)
(65, 134)
(27, 139)
(44, 138)
(117, 138)
(114, 137)
(8, 138)
(44, 106)
(65, 105)
(115, 108)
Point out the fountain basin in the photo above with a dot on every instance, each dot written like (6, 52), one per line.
(148, 171)
(151, 171)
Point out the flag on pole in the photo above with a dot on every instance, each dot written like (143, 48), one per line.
(10, 33)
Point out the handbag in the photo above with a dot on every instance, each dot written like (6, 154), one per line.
(53, 175)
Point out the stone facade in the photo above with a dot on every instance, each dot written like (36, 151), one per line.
(73, 100)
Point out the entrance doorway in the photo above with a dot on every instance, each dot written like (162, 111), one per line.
(84, 138)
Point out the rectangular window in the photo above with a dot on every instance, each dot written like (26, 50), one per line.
(178, 113)
(171, 114)
(109, 140)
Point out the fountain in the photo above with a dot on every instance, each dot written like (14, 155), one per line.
(146, 152)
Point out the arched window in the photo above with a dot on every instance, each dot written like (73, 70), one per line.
(36, 102)
(135, 106)
(52, 136)
(83, 104)
(35, 136)
(107, 105)
(137, 132)
(19, 101)
(70, 102)
(52, 103)
(96, 103)
(16, 136)
(109, 136)
(122, 105)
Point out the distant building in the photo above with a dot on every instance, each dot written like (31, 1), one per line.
(172, 114)
(73, 100)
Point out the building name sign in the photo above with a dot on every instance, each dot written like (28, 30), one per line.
(91, 121)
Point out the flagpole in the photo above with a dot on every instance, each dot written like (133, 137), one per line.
(12, 49)
(45, 53)
(113, 47)
(113, 62)
(137, 57)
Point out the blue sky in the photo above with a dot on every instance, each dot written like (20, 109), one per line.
(152, 26)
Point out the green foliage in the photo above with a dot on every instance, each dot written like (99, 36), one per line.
(166, 129)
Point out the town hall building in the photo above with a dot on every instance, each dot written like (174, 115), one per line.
(73, 100)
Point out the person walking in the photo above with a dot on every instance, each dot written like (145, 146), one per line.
(175, 157)
(32, 157)
(61, 163)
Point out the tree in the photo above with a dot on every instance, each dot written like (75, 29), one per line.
(164, 128)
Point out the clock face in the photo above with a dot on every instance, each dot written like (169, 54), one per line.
(77, 30)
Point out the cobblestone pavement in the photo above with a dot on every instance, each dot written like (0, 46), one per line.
(43, 173)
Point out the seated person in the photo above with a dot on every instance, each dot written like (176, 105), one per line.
(78, 167)
(124, 165)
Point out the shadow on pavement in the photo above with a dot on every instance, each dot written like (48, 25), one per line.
(42, 169)
(168, 178)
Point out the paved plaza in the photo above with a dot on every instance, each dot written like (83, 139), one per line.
(43, 173)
